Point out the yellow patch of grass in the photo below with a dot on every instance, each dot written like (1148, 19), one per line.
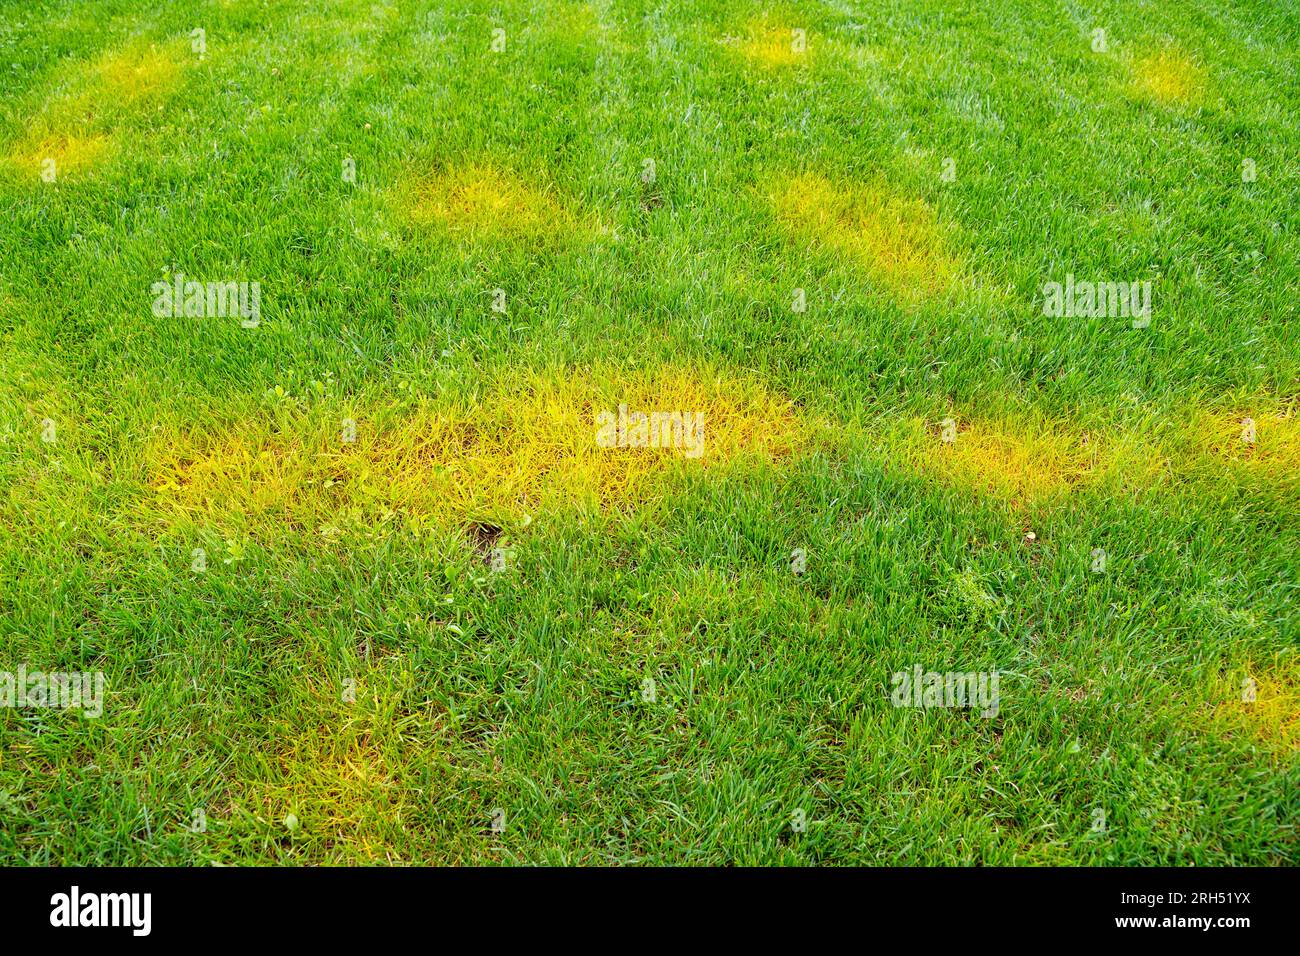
(530, 445)
(135, 74)
(1168, 76)
(896, 238)
(773, 47)
(1273, 718)
(338, 785)
(484, 201)
(1215, 446)
(72, 154)
(1275, 448)
(574, 21)
(79, 127)
(1023, 458)
(1016, 460)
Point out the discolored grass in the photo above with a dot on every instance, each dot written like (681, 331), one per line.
(83, 122)
(480, 201)
(896, 239)
(525, 445)
(1010, 459)
(769, 45)
(1264, 705)
(1169, 76)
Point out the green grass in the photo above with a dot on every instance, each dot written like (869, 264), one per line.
(333, 565)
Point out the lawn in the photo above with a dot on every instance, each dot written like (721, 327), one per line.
(324, 333)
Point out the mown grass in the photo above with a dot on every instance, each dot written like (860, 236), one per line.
(503, 267)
